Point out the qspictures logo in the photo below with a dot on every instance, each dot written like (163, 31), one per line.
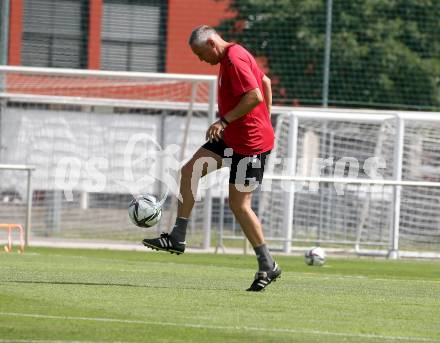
(146, 162)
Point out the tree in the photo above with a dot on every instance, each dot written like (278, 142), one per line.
(385, 53)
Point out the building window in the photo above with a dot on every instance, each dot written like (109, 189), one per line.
(55, 33)
(133, 35)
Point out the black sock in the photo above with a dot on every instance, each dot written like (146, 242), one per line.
(265, 261)
(179, 230)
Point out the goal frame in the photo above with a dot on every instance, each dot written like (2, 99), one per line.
(194, 79)
(396, 182)
(28, 169)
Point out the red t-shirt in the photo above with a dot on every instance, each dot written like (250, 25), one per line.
(239, 73)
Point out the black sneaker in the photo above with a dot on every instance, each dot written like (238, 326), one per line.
(166, 243)
(264, 278)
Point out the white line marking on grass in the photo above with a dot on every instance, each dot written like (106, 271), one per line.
(220, 327)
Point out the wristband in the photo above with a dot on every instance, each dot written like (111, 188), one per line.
(223, 119)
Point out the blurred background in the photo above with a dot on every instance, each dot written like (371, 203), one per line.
(381, 53)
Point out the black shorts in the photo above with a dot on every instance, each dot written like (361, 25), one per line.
(245, 170)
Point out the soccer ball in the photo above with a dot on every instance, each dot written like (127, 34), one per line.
(144, 211)
(315, 257)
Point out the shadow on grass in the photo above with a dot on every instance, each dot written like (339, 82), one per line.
(119, 285)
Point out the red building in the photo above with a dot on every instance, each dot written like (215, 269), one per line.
(138, 35)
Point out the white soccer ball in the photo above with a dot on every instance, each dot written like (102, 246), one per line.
(315, 257)
(144, 211)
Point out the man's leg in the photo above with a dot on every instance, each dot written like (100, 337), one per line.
(190, 174)
(240, 204)
(203, 162)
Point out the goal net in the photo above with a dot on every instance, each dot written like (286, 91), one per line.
(96, 139)
(323, 148)
(420, 206)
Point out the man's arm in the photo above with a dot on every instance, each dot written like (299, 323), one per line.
(247, 103)
(267, 90)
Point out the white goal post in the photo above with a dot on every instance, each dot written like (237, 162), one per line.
(97, 137)
(368, 178)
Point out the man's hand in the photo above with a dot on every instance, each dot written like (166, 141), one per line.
(215, 131)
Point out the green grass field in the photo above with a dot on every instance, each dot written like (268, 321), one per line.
(61, 295)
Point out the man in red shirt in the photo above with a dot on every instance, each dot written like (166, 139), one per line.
(243, 138)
